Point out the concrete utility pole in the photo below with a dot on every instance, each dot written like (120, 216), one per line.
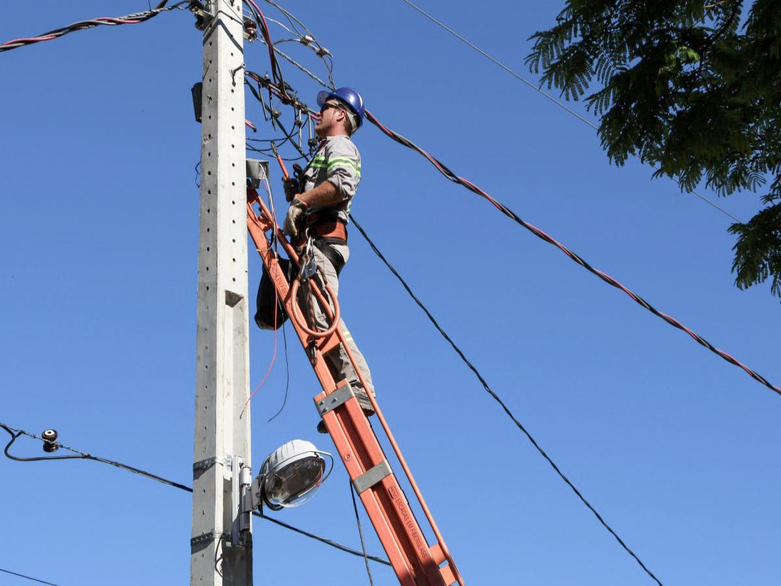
(222, 377)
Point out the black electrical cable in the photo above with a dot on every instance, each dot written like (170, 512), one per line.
(360, 532)
(506, 409)
(456, 179)
(276, 71)
(543, 236)
(254, 92)
(267, 109)
(28, 577)
(309, 40)
(541, 92)
(322, 539)
(269, 152)
(15, 433)
(290, 18)
(287, 374)
(289, 137)
(450, 175)
(135, 18)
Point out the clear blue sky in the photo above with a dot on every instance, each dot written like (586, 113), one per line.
(99, 237)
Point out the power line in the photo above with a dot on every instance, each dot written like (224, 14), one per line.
(502, 65)
(322, 539)
(360, 532)
(16, 433)
(496, 398)
(28, 577)
(270, 86)
(540, 91)
(310, 41)
(543, 236)
(453, 177)
(134, 18)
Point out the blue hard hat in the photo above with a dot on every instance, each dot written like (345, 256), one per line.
(349, 97)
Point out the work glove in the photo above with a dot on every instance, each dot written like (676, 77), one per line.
(292, 189)
(294, 184)
(295, 218)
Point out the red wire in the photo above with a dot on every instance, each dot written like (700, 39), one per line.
(276, 305)
(267, 36)
(29, 40)
(540, 234)
(118, 20)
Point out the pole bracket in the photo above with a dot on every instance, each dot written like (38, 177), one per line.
(207, 463)
(208, 537)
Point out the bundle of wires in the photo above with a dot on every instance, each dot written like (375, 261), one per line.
(100, 21)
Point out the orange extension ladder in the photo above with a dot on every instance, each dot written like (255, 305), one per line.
(415, 562)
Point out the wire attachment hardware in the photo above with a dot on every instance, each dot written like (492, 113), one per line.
(207, 538)
(202, 12)
(241, 482)
(49, 438)
(250, 30)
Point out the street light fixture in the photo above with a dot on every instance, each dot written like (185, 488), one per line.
(289, 477)
(292, 474)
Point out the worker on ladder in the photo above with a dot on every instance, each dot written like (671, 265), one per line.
(316, 221)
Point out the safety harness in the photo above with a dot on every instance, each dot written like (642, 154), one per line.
(326, 224)
(325, 228)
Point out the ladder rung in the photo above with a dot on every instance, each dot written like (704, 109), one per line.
(447, 575)
(437, 553)
(325, 345)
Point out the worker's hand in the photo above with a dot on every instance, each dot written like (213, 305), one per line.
(295, 218)
(292, 188)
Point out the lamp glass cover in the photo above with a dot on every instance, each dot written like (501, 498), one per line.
(296, 482)
(292, 474)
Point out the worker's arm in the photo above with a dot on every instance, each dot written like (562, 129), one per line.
(324, 195)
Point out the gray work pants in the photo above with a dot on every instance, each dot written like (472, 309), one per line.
(337, 359)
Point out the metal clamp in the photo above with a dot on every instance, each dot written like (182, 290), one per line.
(372, 476)
(207, 463)
(207, 537)
(339, 397)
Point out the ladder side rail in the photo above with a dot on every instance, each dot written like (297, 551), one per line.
(348, 428)
(381, 519)
(410, 478)
(371, 448)
(408, 473)
(385, 502)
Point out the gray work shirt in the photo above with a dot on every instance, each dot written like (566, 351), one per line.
(338, 161)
